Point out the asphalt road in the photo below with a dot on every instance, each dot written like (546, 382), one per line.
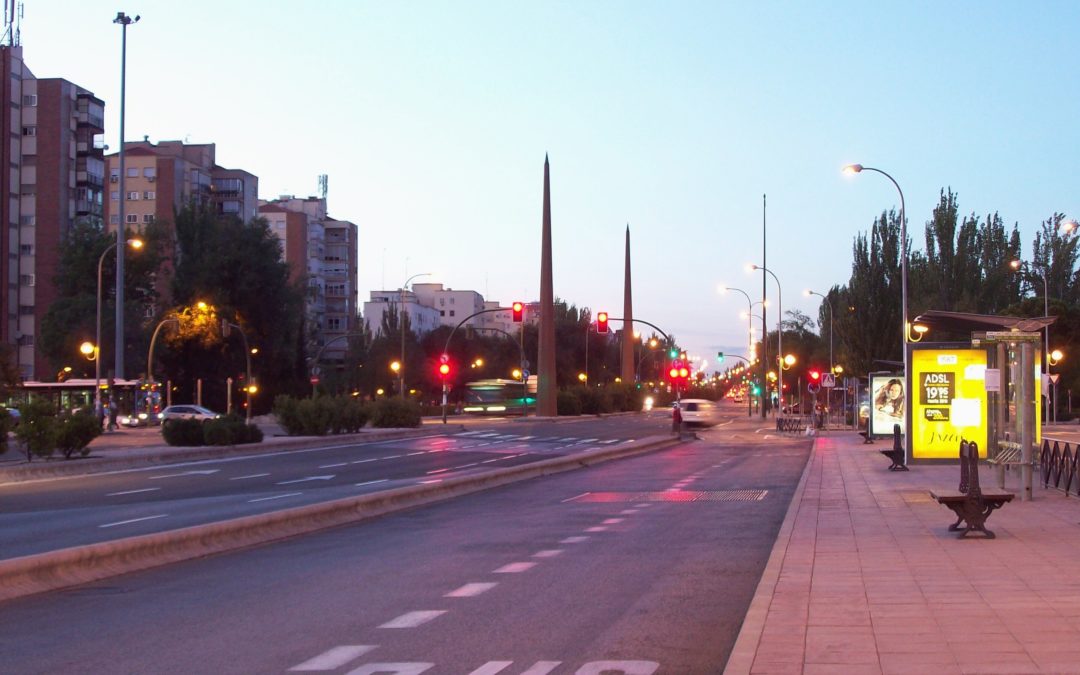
(644, 565)
(59, 513)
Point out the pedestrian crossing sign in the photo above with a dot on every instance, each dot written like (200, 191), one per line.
(828, 380)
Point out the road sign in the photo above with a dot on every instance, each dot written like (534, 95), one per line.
(525, 374)
(524, 364)
(444, 358)
(828, 380)
(813, 387)
(314, 379)
(1053, 377)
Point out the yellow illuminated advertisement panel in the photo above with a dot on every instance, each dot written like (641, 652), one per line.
(948, 401)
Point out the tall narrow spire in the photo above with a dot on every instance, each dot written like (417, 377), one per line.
(545, 368)
(628, 363)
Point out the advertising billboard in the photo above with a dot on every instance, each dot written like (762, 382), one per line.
(948, 402)
(888, 403)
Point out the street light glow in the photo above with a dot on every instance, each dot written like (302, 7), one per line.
(852, 169)
(88, 350)
(395, 366)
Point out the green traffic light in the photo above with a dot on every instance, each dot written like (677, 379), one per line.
(673, 353)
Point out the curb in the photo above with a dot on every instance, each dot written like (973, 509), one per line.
(742, 655)
(157, 455)
(83, 564)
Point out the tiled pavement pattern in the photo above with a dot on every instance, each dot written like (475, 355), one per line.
(865, 577)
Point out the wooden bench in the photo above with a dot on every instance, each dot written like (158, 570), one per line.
(971, 504)
(896, 452)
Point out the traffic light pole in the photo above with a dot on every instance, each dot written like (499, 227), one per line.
(521, 348)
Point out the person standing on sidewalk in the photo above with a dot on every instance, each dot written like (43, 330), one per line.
(676, 419)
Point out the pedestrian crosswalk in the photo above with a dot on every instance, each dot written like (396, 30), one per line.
(566, 440)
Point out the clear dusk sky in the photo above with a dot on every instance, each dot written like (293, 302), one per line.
(432, 120)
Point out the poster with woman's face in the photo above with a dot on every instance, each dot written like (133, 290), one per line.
(888, 404)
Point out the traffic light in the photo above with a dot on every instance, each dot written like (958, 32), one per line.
(601, 322)
(519, 310)
(444, 370)
(673, 353)
(815, 376)
(720, 357)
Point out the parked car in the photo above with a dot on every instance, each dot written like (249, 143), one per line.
(187, 412)
(699, 411)
(137, 420)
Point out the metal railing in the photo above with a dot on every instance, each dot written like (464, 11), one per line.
(1058, 466)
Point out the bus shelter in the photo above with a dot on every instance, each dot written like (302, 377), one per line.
(983, 390)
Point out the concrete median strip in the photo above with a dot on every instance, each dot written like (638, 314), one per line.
(84, 564)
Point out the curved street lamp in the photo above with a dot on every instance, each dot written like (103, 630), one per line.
(401, 321)
(136, 244)
(779, 330)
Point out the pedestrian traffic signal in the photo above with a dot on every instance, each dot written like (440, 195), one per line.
(601, 322)
(519, 310)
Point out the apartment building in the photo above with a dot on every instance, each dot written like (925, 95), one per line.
(53, 154)
(329, 258)
(430, 305)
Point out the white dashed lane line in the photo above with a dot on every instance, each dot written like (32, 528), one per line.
(254, 475)
(414, 619)
(333, 466)
(548, 553)
(598, 528)
(471, 590)
(613, 521)
(372, 482)
(131, 492)
(134, 520)
(515, 568)
(332, 659)
(266, 499)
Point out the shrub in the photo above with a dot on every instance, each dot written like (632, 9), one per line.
(395, 413)
(287, 412)
(354, 415)
(625, 397)
(320, 416)
(230, 430)
(567, 402)
(7, 423)
(183, 432)
(75, 431)
(37, 429)
(315, 416)
(594, 400)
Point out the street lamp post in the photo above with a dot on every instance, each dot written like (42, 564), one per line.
(136, 244)
(857, 168)
(124, 22)
(1024, 268)
(750, 337)
(401, 320)
(828, 303)
(779, 333)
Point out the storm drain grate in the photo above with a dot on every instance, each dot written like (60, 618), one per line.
(674, 496)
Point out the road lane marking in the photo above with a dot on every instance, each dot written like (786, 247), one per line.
(565, 440)
(526, 438)
(467, 433)
(547, 553)
(573, 540)
(203, 472)
(589, 440)
(613, 440)
(464, 466)
(305, 479)
(365, 461)
(372, 482)
(332, 659)
(577, 497)
(613, 521)
(492, 668)
(253, 475)
(643, 505)
(131, 492)
(333, 466)
(134, 520)
(542, 668)
(624, 667)
(628, 512)
(471, 590)
(598, 528)
(413, 454)
(414, 619)
(487, 435)
(429, 473)
(411, 668)
(392, 457)
(515, 568)
(265, 499)
(429, 482)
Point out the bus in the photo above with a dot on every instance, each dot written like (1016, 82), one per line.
(499, 397)
(132, 397)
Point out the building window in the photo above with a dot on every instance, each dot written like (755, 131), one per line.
(115, 195)
(26, 279)
(333, 323)
(442, 302)
(133, 196)
(149, 194)
(132, 218)
(29, 100)
(26, 310)
(149, 172)
(29, 131)
(26, 340)
(451, 312)
(451, 302)
(148, 218)
(114, 219)
(27, 220)
(26, 249)
(442, 312)
(132, 172)
(114, 175)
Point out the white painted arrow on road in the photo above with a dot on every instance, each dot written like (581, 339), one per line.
(304, 480)
(204, 472)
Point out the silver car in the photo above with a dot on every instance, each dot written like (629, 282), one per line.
(187, 412)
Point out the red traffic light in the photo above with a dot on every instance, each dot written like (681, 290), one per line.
(673, 373)
(601, 322)
(444, 370)
(519, 310)
(815, 376)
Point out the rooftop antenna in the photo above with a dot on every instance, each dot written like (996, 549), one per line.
(12, 14)
(322, 185)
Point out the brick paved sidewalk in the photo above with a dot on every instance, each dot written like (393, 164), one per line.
(865, 577)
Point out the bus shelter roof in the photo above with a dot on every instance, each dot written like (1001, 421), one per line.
(962, 322)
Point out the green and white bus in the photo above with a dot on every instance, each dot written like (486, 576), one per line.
(499, 397)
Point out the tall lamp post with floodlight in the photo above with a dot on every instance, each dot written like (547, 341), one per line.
(779, 332)
(401, 319)
(136, 244)
(124, 21)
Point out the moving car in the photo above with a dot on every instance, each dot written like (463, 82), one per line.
(699, 411)
(187, 412)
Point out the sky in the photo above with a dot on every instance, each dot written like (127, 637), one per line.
(432, 121)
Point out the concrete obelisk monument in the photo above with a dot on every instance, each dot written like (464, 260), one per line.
(628, 364)
(546, 386)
